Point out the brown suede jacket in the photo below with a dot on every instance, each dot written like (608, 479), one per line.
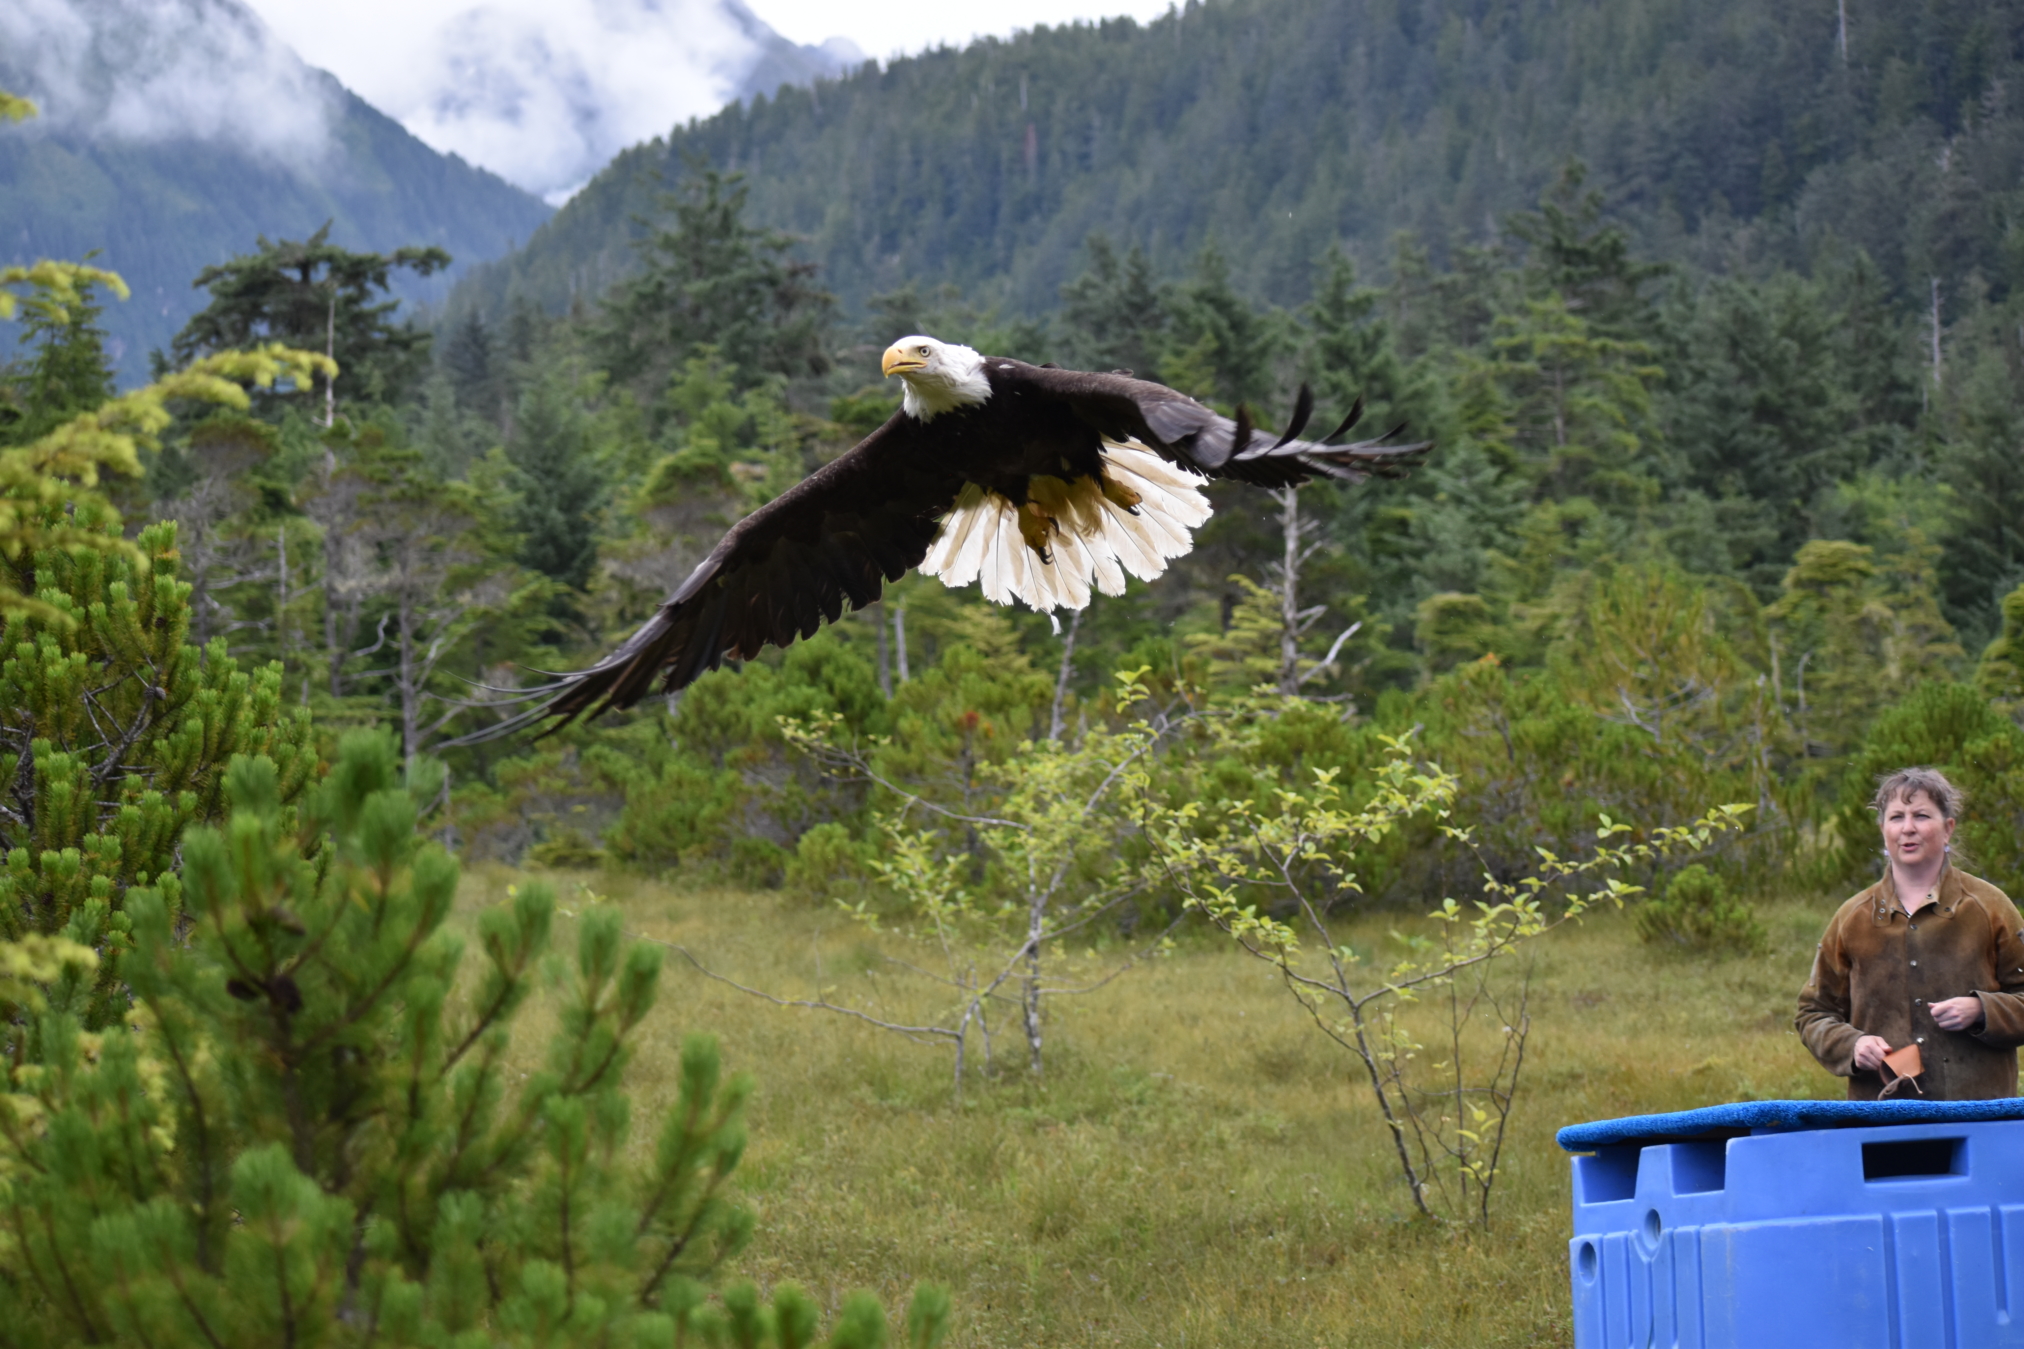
(1877, 972)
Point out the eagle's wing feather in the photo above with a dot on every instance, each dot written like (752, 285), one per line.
(1183, 430)
(831, 540)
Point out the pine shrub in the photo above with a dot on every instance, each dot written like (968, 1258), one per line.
(311, 1131)
(115, 731)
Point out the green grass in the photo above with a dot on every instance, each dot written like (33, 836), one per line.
(1199, 1166)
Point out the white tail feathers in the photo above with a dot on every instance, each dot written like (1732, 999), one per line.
(1092, 539)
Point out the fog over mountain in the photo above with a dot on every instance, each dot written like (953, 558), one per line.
(545, 94)
(155, 70)
(174, 133)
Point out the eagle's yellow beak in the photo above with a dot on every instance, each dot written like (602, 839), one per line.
(900, 359)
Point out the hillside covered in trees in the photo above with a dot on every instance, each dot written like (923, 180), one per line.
(1728, 136)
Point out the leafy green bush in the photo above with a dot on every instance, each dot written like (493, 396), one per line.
(1698, 912)
(829, 862)
(1953, 728)
(566, 848)
(715, 777)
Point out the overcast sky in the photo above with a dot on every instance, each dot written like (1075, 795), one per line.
(348, 40)
(887, 29)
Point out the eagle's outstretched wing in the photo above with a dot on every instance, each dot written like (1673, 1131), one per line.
(1121, 407)
(832, 539)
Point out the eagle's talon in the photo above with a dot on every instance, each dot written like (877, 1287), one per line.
(1036, 526)
(1124, 498)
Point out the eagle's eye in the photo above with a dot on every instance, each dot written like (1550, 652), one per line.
(924, 351)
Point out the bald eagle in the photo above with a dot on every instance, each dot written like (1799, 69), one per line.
(1043, 484)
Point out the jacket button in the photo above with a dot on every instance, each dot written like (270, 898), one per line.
(1915, 963)
(1922, 1039)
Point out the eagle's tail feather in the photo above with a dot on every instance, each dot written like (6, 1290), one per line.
(1097, 541)
(958, 552)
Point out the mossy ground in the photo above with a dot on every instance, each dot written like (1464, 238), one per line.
(1198, 1166)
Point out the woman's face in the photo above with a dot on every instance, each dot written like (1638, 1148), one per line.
(1914, 832)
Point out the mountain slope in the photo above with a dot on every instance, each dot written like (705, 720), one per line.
(1723, 129)
(174, 134)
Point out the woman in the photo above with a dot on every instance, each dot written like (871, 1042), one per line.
(1928, 956)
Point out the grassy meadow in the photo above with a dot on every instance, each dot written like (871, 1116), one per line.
(1197, 1166)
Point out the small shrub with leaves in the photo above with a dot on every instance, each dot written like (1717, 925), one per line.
(1698, 912)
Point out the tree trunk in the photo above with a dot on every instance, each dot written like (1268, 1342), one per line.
(885, 662)
(411, 696)
(1029, 993)
(1061, 681)
(1289, 591)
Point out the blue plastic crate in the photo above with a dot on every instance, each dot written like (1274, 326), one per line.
(1795, 1224)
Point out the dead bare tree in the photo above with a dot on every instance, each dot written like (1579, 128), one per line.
(218, 551)
(427, 571)
(1300, 541)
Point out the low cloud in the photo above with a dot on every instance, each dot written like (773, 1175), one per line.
(540, 92)
(148, 70)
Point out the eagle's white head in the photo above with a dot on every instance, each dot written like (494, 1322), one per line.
(938, 376)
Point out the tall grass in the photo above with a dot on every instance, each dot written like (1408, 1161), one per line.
(1199, 1167)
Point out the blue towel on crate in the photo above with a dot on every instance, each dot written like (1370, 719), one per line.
(1743, 1116)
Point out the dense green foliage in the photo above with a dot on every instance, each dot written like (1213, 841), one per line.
(117, 730)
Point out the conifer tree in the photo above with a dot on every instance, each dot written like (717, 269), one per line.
(1568, 405)
(66, 373)
(1583, 256)
(1219, 347)
(313, 295)
(1999, 675)
(471, 360)
(558, 479)
(710, 277)
(1114, 316)
(304, 1138)
(1351, 355)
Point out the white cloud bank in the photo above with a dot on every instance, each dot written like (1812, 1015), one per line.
(145, 70)
(886, 29)
(542, 92)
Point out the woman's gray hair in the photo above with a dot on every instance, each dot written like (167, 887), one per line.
(1906, 783)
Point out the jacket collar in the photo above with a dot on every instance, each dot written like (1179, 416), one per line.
(1946, 891)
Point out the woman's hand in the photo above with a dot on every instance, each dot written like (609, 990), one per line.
(1869, 1052)
(1957, 1013)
